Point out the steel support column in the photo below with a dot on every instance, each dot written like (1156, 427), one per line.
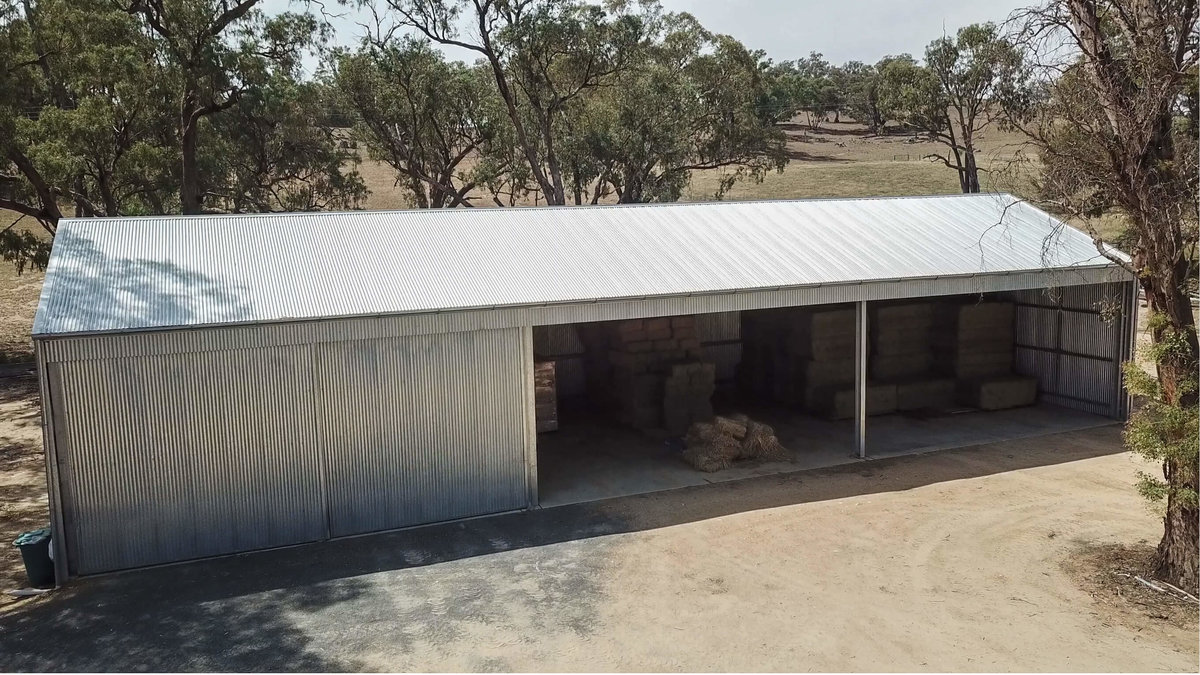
(860, 379)
(530, 419)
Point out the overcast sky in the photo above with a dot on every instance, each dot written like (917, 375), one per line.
(842, 30)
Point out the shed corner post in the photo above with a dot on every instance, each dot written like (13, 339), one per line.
(529, 408)
(1127, 350)
(860, 379)
(53, 478)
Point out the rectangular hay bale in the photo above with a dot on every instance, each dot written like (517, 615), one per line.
(968, 364)
(998, 393)
(838, 402)
(896, 366)
(916, 394)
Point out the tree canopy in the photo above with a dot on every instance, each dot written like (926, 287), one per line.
(159, 106)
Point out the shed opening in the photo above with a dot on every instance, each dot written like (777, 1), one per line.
(617, 402)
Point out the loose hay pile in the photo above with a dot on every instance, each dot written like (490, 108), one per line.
(712, 446)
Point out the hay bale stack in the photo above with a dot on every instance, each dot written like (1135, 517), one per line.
(975, 340)
(654, 374)
(822, 334)
(925, 392)
(887, 367)
(838, 403)
(998, 392)
(900, 341)
(787, 351)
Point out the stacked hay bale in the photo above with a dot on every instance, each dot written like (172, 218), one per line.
(829, 374)
(821, 349)
(716, 445)
(902, 354)
(975, 339)
(545, 397)
(974, 343)
(998, 392)
(687, 395)
(838, 403)
(655, 373)
(900, 346)
(804, 357)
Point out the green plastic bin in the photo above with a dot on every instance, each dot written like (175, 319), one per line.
(35, 551)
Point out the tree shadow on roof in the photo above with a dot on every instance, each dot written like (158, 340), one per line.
(90, 290)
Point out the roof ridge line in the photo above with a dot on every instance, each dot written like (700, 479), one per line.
(556, 207)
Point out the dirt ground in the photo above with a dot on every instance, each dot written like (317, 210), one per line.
(22, 475)
(954, 560)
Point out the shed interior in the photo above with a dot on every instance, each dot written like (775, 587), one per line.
(617, 401)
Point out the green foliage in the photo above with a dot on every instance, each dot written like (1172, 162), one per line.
(439, 124)
(23, 249)
(954, 96)
(1164, 429)
(691, 103)
(91, 117)
(615, 101)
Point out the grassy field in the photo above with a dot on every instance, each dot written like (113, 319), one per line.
(836, 160)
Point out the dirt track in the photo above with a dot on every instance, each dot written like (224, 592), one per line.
(948, 561)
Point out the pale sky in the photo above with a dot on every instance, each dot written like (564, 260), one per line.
(842, 30)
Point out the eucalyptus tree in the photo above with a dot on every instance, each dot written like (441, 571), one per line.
(81, 118)
(1115, 130)
(865, 93)
(545, 56)
(691, 104)
(216, 52)
(955, 95)
(439, 124)
(119, 107)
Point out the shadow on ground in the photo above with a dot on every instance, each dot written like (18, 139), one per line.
(240, 612)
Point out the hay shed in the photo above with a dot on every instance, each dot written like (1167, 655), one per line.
(217, 384)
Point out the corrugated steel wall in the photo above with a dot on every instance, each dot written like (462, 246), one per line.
(1074, 339)
(562, 345)
(421, 429)
(174, 457)
(720, 335)
(167, 458)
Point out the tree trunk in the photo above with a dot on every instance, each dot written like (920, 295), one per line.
(1177, 559)
(970, 173)
(191, 198)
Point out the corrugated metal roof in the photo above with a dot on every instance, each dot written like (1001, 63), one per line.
(116, 274)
